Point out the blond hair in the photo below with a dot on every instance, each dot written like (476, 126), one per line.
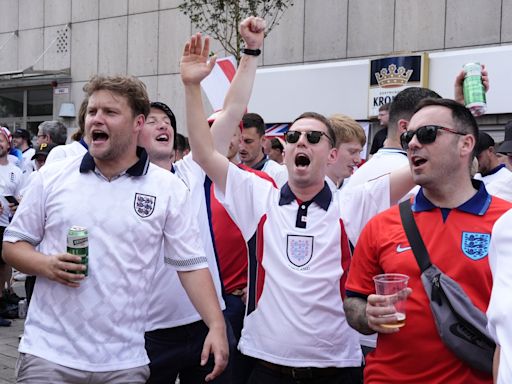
(346, 129)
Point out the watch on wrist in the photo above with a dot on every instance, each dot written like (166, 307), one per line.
(251, 52)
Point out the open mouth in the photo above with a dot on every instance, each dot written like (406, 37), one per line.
(418, 161)
(99, 136)
(302, 160)
(163, 137)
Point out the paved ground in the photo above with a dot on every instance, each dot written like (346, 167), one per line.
(9, 350)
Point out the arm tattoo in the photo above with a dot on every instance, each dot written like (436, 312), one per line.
(355, 312)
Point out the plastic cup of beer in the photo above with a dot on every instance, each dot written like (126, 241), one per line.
(393, 286)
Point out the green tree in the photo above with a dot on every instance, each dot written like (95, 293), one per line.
(220, 18)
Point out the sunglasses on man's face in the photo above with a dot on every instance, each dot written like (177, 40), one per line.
(425, 135)
(313, 137)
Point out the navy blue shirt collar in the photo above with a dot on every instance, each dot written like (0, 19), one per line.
(476, 205)
(84, 144)
(140, 168)
(322, 198)
(494, 170)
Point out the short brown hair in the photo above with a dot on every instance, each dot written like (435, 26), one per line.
(128, 86)
(346, 129)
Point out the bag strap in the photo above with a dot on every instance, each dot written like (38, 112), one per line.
(413, 235)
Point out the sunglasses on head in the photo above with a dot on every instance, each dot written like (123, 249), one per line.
(313, 137)
(425, 135)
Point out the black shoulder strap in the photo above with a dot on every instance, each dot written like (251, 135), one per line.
(413, 235)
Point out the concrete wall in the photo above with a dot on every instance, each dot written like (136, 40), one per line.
(145, 37)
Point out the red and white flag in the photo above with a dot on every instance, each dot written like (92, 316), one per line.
(216, 84)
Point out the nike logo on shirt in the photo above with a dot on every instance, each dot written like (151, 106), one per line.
(399, 248)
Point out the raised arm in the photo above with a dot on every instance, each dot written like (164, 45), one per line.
(236, 100)
(194, 68)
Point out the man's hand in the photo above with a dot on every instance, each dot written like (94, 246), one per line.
(216, 344)
(57, 267)
(378, 310)
(252, 30)
(195, 66)
(459, 80)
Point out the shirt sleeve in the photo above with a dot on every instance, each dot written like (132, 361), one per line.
(360, 203)
(365, 263)
(247, 199)
(183, 249)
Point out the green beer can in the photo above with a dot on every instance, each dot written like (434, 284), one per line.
(78, 244)
(474, 91)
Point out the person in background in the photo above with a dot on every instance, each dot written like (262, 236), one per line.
(41, 154)
(53, 132)
(489, 167)
(10, 184)
(181, 148)
(22, 141)
(382, 134)
(276, 152)
(350, 139)
(78, 145)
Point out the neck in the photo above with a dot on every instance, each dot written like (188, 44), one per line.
(391, 142)
(450, 195)
(256, 161)
(3, 160)
(162, 163)
(305, 193)
(110, 168)
(334, 179)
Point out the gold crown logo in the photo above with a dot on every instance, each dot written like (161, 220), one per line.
(391, 77)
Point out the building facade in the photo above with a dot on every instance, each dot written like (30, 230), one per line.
(315, 59)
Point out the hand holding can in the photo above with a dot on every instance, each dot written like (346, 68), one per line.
(78, 244)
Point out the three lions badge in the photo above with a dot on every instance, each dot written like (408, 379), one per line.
(144, 205)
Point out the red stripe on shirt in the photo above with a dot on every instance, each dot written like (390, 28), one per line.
(260, 275)
(346, 257)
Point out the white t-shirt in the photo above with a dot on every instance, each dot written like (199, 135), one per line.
(384, 161)
(499, 312)
(298, 319)
(64, 151)
(501, 187)
(166, 309)
(100, 325)
(10, 183)
(276, 171)
(501, 173)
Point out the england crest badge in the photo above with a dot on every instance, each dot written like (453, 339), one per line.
(475, 245)
(144, 205)
(299, 249)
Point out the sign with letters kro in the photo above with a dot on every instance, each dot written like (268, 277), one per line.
(389, 75)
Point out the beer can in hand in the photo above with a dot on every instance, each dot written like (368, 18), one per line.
(473, 88)
(78, 244)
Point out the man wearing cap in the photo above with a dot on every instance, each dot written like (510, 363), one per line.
(10, 182)
(502, 187)
(41, 154)
(506, 145)
(21, 140)
(489, 167)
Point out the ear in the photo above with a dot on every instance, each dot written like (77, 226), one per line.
(333, 156)
(467, 145)
(402, 126)
(139, 122)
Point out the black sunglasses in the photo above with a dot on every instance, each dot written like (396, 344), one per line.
(425, 135)
(313, 137)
